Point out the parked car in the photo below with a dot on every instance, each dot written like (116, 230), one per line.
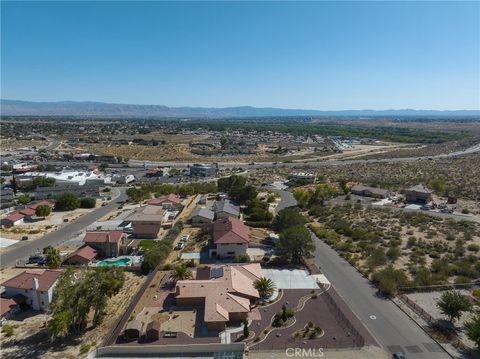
(399, 355)
(425, 207)
(179, 246)
(446, 210)
(40, 260)
(25, 238)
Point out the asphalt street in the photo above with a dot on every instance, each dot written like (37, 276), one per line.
(139, 164)
(23, 249)
(392, 328)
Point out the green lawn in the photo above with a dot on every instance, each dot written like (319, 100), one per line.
(147, 244)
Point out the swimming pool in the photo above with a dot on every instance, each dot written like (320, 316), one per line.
(121, 262)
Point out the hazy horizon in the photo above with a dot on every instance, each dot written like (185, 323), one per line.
(240, 106)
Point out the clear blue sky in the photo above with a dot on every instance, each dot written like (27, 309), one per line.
(322, 55)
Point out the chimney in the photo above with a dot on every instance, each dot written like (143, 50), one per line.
(35, 284)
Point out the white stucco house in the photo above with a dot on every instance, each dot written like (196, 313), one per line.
(35, 285)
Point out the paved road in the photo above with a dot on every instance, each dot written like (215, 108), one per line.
(23, 249)
(393, 329)
(314, 163)
(286, 199)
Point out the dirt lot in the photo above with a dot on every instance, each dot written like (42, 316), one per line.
(449, 248)
(8, 144)
(38, 228)
(31, 340)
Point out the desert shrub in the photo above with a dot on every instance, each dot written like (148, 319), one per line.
(7, 329)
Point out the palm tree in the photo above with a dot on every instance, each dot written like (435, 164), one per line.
(265, 287)
(181, 272)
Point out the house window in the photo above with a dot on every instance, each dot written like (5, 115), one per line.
(43, 303)
(239, 244)
(230, 253)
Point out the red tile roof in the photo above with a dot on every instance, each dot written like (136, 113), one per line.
(230, 230)
(103, 237)
(175, 198)
(46, 278)
(15, 216)
(27, 211)
(84, 252)
(6, 305)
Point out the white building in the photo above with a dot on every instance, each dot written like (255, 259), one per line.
(74, 177)
(35, 285)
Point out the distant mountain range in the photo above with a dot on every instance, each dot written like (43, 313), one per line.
(101, 109)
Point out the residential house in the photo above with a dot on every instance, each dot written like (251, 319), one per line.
(35, 285)
(21, 215)
(170, 201)
(302, 177)
(28, 213)
(225, 208)
(147, 221)
(227, 293)
(202, 216)
(230, 238)
(12, 219)
(83, 256)
(370, 191)
(108, 243)
(418, 194)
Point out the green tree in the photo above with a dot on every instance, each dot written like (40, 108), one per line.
(472, 329)
(247, 193)
(43, 181)
(137, 195)
(24, 199)
(438, 186)
(297, 243)
(286, 218)
(265, 287)
(159, 251)
(246, 331)
(322, 193)
(389, 280)
(225, 184)
(453, 304)
(75, 296)
(53, 258)
(67, 202)
(43, 211)
(181, 272)
(87, 202)
(303, 198)
(58, 326)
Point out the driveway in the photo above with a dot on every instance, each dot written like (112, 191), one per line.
(291, 278)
